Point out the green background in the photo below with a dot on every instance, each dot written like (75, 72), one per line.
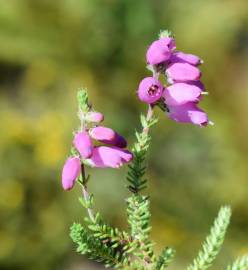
(50, 48)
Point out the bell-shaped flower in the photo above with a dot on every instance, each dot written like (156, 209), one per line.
(188, 113)
(181, 93)
(113, 157)
(150, 90)
(108, 136)
(182, 72)
(83, 144)
(160, 50)
(70, 172)
(180, 57)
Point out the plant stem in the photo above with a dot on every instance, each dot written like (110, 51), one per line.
(86, 194)
(148, 117)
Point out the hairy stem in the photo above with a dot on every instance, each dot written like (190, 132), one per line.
(148, 118)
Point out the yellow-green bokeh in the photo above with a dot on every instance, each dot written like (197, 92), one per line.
(50, 48)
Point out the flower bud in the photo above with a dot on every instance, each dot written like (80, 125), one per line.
(70, 173)
(94, 117)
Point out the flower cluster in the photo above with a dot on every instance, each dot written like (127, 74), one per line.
(108, 150)
(184, 90)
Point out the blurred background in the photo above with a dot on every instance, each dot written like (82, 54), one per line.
(48, 49)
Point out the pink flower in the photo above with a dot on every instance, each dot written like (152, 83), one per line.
(114, 157)
(70, 173)
(182, 72)
(150, 90)
(83, 144)
(94, 117)
(160, 50)
(108, 136)
(188, 113)
(181, 93)
(180, 57)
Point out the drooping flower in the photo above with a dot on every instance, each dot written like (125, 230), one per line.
(181, 57)
(188, 113)
(108, 136)
(102, 134)
(182, 72)
(105, 156)
(150, 90)
(183, 89)
(83, 144)
(70, 172)
(160, 50)
(181, 93)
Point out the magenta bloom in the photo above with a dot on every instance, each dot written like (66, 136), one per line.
(150, 90)
(160, 50)
(101, 133)
(114, 157)
(182, 72)
(70, 173)
(94, 117)
(83, 144)
(108, 136)
(180, 57)
(181, 93)
(119, 141)
(188, 113)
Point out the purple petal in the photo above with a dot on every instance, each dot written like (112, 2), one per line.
(180, 57)
(160, 51)
(182, 72)
(198, 84)
(114, 157)
(150, 90)
(102, 134)
(108, 136)
(188, 113)
(181, 93)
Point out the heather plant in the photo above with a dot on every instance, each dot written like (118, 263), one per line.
(101, 147)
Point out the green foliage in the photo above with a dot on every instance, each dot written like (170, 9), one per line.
(47, 49)
(137, 168)
(96, 248)
(165, 258)
(213, 242)
(240, 264)
(139, 218)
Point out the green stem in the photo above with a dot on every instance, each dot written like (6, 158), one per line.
(86, 194)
